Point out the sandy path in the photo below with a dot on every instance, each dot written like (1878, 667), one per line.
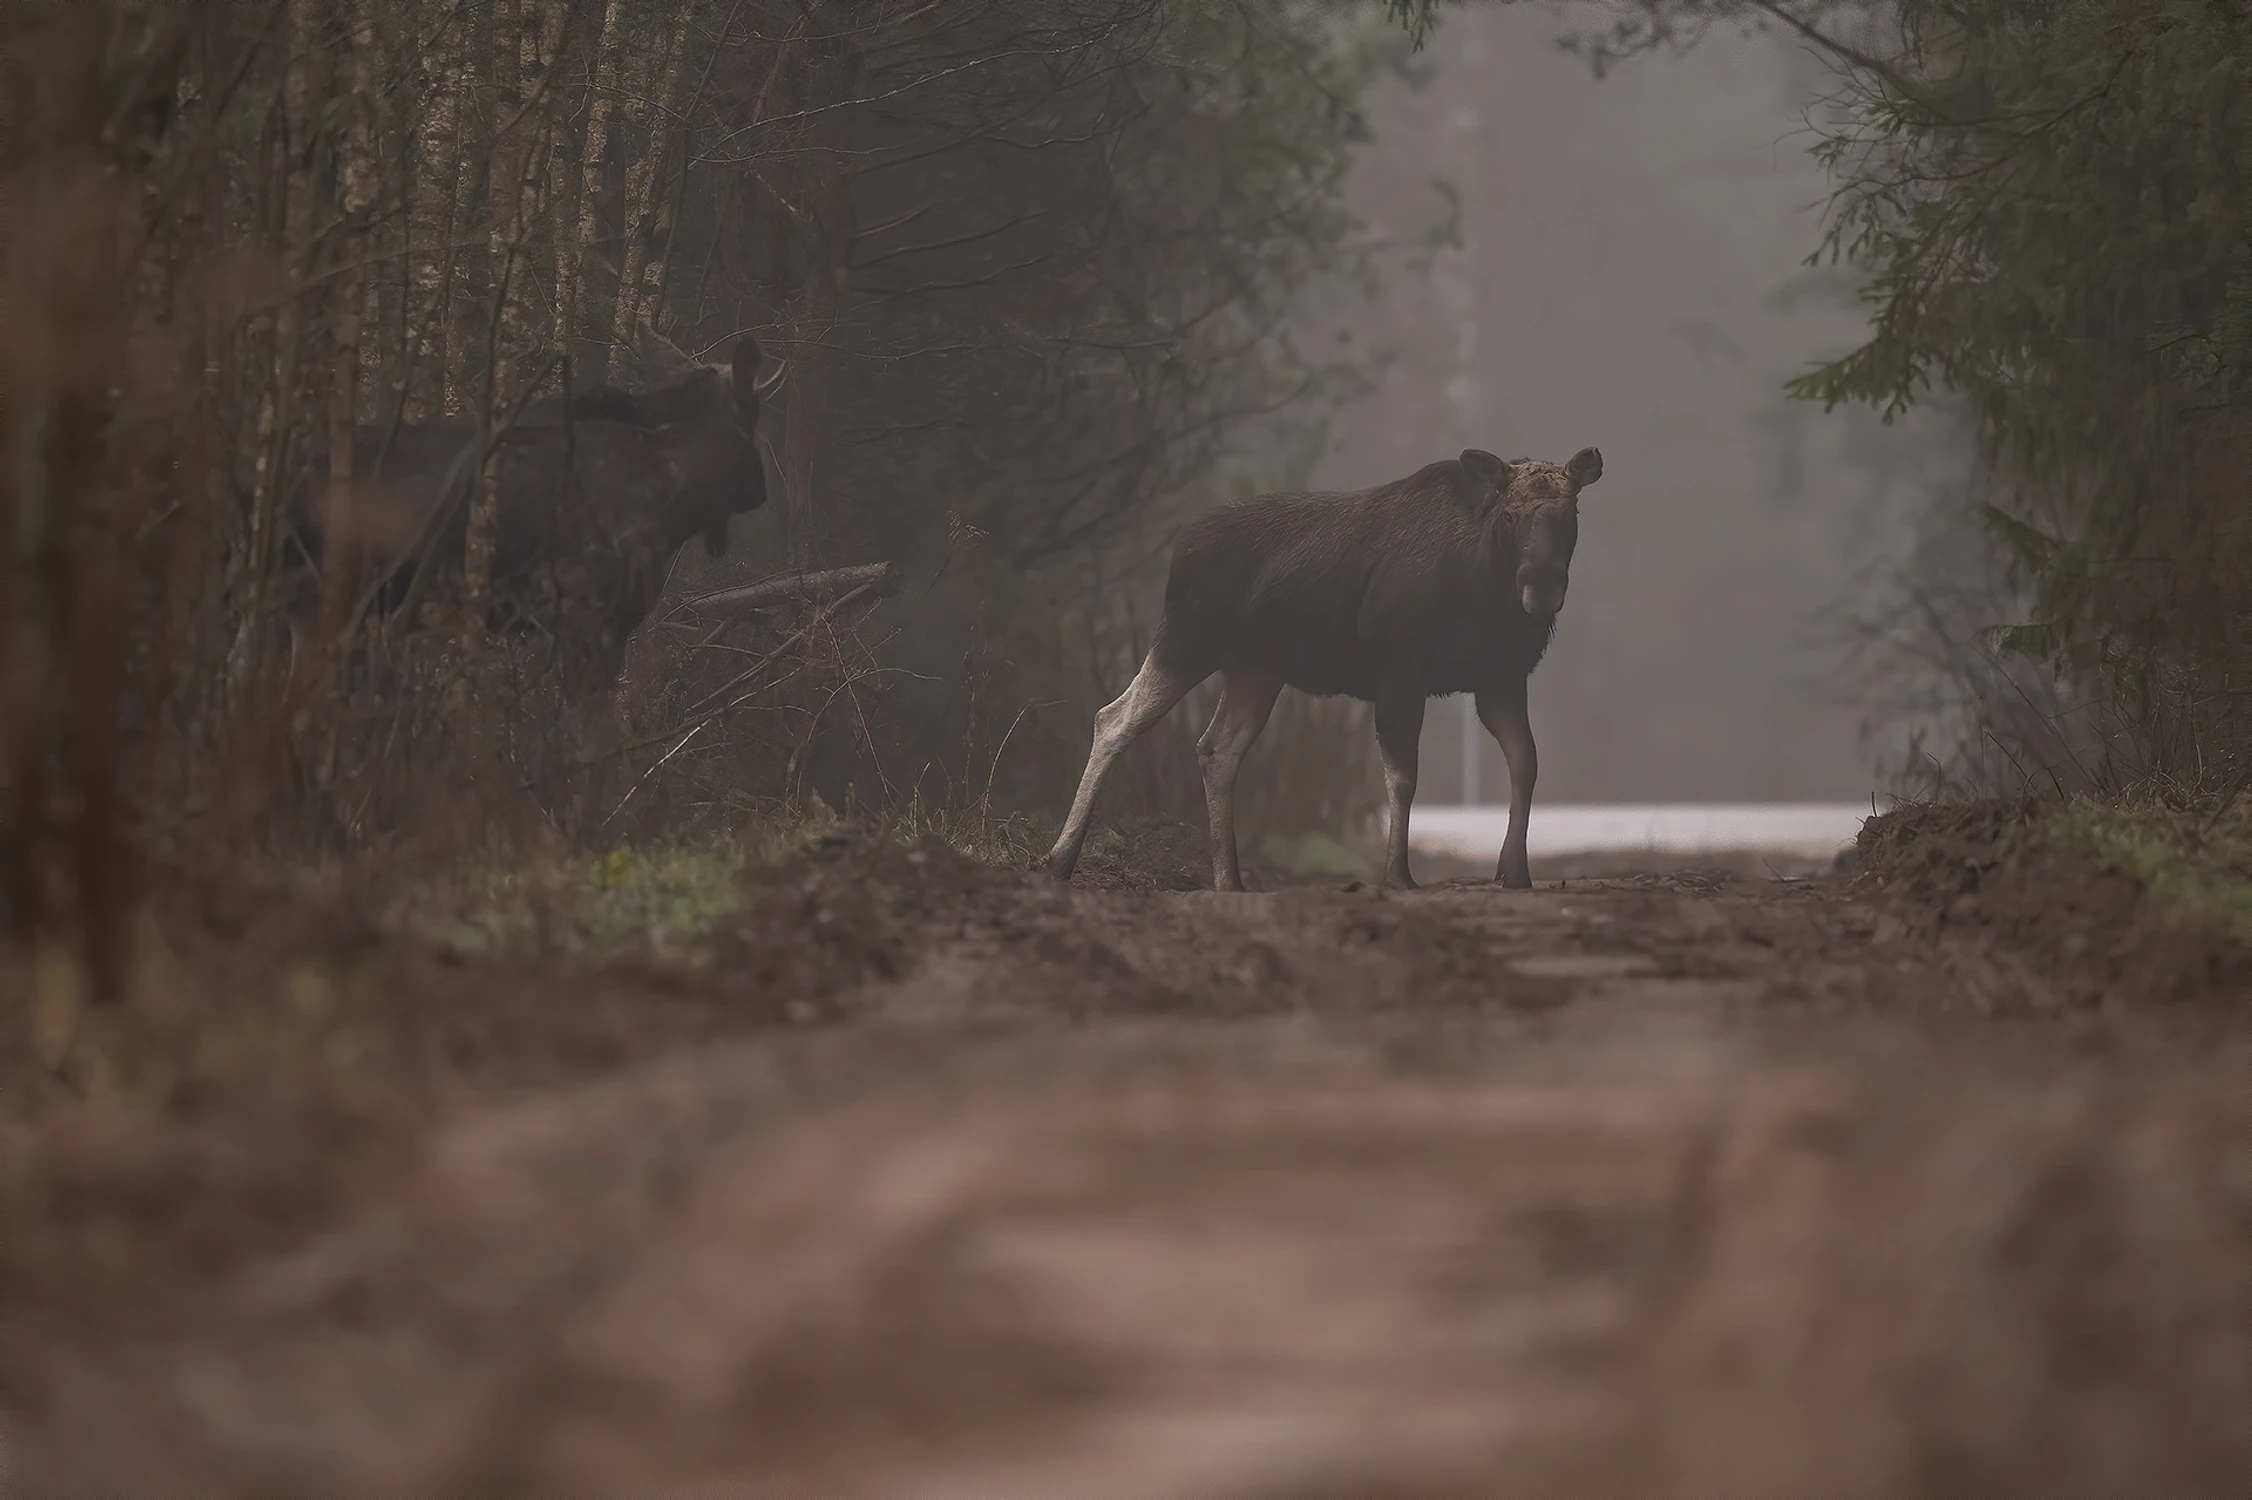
(1643, 1188)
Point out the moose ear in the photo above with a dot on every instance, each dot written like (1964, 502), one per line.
(1486, 468)
(1585, 468)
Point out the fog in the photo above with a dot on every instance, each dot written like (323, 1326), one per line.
(1630, 275)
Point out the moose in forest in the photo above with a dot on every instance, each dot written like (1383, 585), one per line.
(597, 492)
(1447, 581)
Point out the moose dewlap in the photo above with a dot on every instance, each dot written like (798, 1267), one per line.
(1447, 581)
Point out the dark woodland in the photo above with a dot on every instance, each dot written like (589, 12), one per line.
(561, 560)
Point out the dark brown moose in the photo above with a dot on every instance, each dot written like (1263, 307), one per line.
(597, 493)
(1447, 581)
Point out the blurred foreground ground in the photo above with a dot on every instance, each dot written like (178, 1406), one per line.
(947, 1182)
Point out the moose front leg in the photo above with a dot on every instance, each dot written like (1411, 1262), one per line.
(1399, 738)
(1504, 712)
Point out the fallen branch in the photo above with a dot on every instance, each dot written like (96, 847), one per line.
(878, 580)
(703, 713)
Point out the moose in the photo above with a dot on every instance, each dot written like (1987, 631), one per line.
(597, 492)
(1447, 581)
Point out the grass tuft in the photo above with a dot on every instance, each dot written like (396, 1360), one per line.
(2198, 870)
(662, 904)
(667, 904)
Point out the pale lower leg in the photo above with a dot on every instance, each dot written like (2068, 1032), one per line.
(1146, 700)
(1246, 699)
(1399, 735)
(1509, 721)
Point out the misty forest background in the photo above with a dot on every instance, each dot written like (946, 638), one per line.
(1051, 275)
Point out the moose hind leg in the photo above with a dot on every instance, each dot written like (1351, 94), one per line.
(1399, 734)
(1154, 690)
(1246, 699)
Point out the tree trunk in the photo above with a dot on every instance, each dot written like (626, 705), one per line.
(466, 286)
(656, 271)
(666, 191)
(527, 37)
(392, 118)
(813, 324)
(646, 181)
(301, 93)
(562, 179)
(503, 205)
(830, 232)
(441, 188)
(571, 289)
(356, 190)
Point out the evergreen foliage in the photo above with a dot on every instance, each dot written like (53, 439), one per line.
(2050, 207)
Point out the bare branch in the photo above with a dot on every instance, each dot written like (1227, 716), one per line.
(881, 579)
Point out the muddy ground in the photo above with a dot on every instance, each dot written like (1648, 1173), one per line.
(947, 1182)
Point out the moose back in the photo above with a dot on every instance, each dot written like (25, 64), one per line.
(596, 493)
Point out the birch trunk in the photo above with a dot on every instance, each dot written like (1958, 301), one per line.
(505, 194)
(562, 176)
(548, 184)
(356, 188)
(430, 276)
(527, 41)
(645, 179)
(392, 119)
(669, 139)
(442, 148)
(571, 289)
(466, 283)
(656, 271)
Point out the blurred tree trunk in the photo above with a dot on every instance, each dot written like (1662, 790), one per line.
(775, 235)
(215, 423)
(302, 93)
(393, 111)
(506, 176)
(829, 229)
(356, 195)
(527, 40)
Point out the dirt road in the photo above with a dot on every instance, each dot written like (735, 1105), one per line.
(1660, 1187)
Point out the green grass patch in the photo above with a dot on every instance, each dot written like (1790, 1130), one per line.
(1316, 855)
(663, 904)
(2196, 867)
(980, 838)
